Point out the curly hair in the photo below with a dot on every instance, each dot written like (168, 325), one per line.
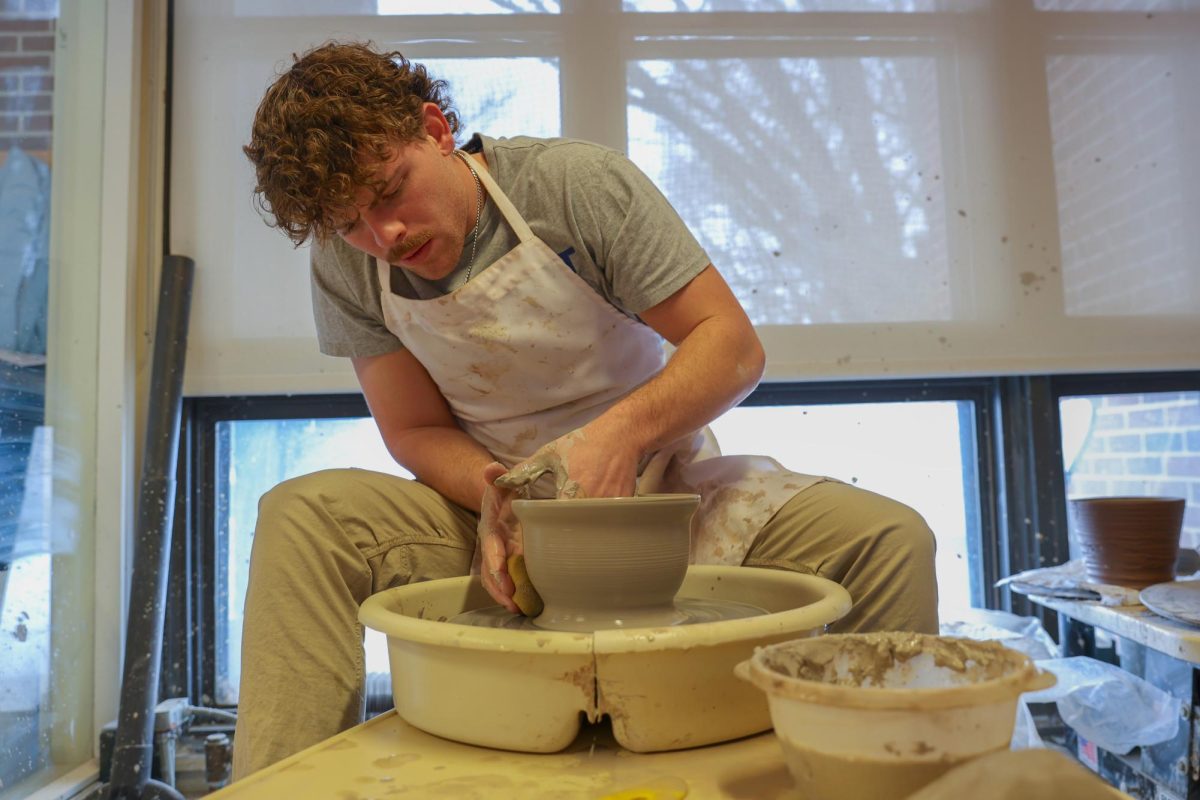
(323, 125)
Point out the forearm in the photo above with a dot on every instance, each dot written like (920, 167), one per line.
(445, 459)
(713, 369)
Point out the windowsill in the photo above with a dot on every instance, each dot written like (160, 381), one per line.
(65, 786)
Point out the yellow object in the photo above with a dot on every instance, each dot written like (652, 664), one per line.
(660, 789)
(525, 596)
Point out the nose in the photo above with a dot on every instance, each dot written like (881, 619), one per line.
(385, 228)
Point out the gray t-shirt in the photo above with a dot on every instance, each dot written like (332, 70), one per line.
(590, 204)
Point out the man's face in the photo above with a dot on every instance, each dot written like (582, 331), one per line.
(422, 216)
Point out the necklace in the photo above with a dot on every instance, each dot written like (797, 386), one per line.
(478, 211)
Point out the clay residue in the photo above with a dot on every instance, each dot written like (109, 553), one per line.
(395, 761)
(583, 678)
(869, 660)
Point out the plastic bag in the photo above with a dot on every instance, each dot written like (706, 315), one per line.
(1107, 705)
(1024, 634)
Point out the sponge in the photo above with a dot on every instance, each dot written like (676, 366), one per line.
(525, 596)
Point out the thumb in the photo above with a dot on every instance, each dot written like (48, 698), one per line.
(525, 473)
(492, 471)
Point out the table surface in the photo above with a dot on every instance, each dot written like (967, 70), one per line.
(1137, 623)
(386, 756)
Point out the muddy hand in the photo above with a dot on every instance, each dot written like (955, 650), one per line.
(499, 538)
(551, 458)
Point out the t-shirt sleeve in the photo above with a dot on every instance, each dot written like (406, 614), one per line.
(641, 244)
(346, 305)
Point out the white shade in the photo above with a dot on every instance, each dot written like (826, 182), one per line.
(891, 188)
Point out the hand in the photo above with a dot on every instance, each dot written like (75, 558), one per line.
(499, 537)
(583, 465)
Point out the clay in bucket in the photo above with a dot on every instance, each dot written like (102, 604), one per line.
(879, 715)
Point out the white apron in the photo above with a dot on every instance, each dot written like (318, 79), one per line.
(527, 351)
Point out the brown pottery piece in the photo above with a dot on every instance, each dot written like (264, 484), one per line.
(607, 562)
(1128, 541)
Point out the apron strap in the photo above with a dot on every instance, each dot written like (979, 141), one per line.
(507, 209)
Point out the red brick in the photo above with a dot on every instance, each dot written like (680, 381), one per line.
(9, 122)
(36, 123)
(1125, 443)
(1149, 418)
(1144, 466)
(24, 60)
(8, 44)
(37, 44)
(26, 26)
(1185, 465)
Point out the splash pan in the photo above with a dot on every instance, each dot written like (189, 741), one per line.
(664, 688)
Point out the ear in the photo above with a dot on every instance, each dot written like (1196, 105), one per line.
(437, 128)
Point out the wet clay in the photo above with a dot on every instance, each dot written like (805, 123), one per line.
(596, 561)
(685, 611)
(876, 660)
(824, 775)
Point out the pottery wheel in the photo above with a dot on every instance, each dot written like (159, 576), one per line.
(687, 611)
(663, 688)
(1177, 600)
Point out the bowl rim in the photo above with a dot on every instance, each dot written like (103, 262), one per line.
(1027, 677)
(376, 612)
(1127, 499)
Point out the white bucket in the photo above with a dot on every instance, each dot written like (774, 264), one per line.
(879, 715)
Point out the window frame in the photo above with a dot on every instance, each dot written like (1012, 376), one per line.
(1017, 460)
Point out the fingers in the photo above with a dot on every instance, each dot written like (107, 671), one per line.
(522, 475)
(494, 573)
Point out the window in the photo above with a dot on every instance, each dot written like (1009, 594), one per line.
(920, 452)
(52, 343)
(891, 187)
(1135, 443)
(26, 443)
(252, 455)
(917, 444)
(899, 191)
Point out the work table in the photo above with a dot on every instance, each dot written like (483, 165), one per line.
(387, 757)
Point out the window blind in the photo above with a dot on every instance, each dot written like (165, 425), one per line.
(892, 188)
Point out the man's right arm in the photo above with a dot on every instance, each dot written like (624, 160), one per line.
(418, 428)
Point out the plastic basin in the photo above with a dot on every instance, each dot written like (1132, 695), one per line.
(880, 715)
(663, 688)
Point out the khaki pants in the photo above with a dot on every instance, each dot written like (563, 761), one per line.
(325, 542)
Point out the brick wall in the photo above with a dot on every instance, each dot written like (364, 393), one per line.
(26, 73)
(1143, 444)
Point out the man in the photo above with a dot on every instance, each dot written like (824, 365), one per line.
(504, 308)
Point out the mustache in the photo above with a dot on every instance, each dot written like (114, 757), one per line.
(406, 246)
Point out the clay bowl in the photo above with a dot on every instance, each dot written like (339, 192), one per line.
(1128, 541)
(614, 562)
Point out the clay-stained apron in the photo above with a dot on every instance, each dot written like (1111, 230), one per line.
(527, 351)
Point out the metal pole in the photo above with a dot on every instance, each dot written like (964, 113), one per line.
(134, 745)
